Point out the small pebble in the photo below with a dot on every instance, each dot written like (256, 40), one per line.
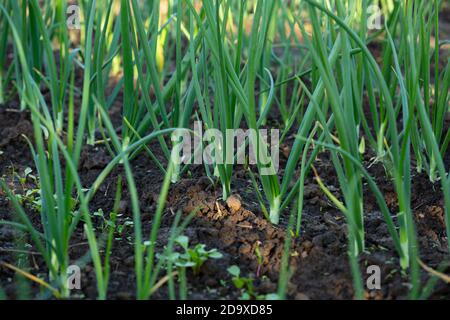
(234, 203)
(301, 296)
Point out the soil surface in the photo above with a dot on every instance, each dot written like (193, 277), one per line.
(319, 260)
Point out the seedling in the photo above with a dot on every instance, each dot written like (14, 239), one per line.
(259, 257)
(191, 257)
(107, 222)
(245, 285)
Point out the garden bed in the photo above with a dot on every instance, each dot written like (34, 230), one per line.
(273, 261)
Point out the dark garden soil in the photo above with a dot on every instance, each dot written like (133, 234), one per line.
(319, 260)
